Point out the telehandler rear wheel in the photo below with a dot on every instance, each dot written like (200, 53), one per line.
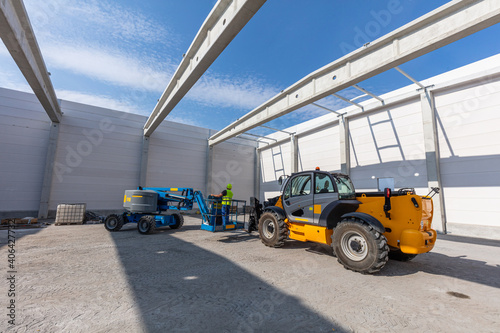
(113, 222)
(272, 230)
(359, 247)
(146, 225)
(179, 221)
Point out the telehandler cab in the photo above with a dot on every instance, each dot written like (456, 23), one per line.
(364, 229)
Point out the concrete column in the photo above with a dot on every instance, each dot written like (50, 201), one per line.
(209, 169)
(257, 178)
(294, 157)
(345, 149)
(432, 158)
(144, 161)
(43, 211)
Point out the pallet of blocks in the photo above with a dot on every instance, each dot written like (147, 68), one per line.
(70, 214)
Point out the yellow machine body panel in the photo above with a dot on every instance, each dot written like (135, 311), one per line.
(408, 227)
(309, 233)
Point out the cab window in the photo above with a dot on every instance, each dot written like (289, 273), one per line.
(324, 184)
(300, 185)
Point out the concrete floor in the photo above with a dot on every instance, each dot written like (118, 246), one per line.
(85, 279)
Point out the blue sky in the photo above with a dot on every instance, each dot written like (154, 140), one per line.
(121, 54)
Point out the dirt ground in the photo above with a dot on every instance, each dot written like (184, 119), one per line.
(85, 279)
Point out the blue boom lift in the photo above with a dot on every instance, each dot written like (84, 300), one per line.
(148, 208)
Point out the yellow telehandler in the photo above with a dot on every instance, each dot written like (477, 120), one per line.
(364, 229)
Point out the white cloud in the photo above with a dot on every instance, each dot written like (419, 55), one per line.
(104, 41)
(112, 67)
(229, 92)
(99, 100)
(101, 17)
(183, 120)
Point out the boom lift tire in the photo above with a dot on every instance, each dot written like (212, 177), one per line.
(272, 230)
(179, 221)
(359, 247)
(146, 225)
(400, 256)
(113, 222)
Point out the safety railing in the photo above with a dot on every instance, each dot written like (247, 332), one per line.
(214, 219)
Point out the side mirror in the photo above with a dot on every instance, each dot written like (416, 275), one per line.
(280, 180)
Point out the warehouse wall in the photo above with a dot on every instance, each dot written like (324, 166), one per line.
(24, 136)
(389, 143)
(98, 157)
(469, 141)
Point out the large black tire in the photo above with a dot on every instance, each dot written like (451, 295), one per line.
(179, 221)
(146, 225)
(113, 222)
(272, 230)
(359, 247)
(400, 256)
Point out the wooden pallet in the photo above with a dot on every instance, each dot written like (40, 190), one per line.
(69, 223)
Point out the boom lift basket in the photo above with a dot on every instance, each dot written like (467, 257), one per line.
(212, 215)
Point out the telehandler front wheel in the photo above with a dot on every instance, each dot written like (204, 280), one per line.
(359, 247)
(146, 225)
(272, 230)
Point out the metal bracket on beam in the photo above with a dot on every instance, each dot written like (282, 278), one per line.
(223, 23)
(19, 38)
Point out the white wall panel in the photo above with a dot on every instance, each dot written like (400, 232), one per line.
(98, 156)
(24, 136)
(320, 149)
(235, 164)
(275, 162)
(389, 144)
(469, 141)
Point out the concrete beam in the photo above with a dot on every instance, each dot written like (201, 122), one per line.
(432, 157)
(19, 38)
(223, 23)
(43, 211)
(451, 22)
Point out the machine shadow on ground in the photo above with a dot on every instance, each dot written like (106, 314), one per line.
(180, 287)
(435, 263)
(18, 233)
